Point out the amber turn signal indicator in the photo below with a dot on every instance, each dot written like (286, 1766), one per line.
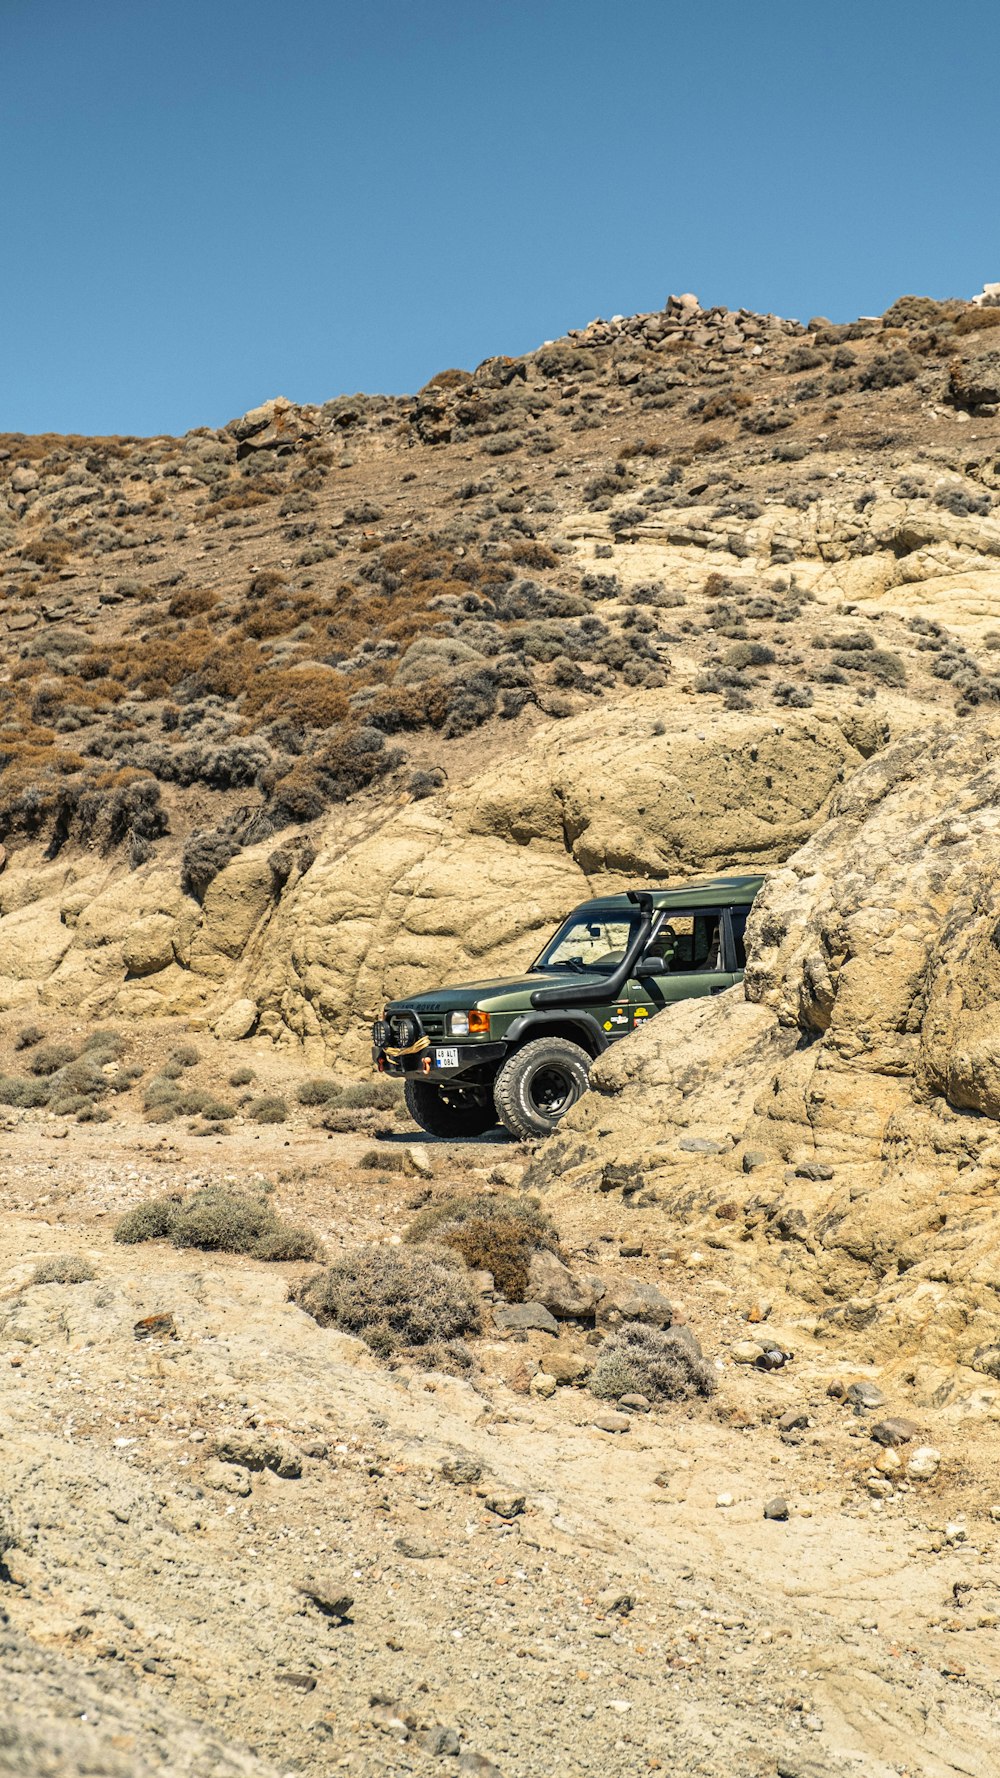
(479, 1022)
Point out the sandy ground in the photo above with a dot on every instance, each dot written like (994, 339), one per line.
(622, 1621)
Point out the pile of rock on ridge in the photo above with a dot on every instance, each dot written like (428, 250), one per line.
(833, 1124)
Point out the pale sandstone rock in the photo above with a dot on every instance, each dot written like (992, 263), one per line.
(868, 1043)
(237, 1021)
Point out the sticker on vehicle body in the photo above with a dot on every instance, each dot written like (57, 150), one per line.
(642, 1012)
(619, 1017)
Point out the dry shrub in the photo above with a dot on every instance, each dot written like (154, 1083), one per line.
(383, 1160)
(316, 697)
(974, 320)
(393, 1298)
(63, 1268)
(192, 602)
(270, 1108)
(219, 1220)
(492, 1234)
(19, 1090)
(663, 1364)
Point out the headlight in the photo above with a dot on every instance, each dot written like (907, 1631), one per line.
(469, 1024)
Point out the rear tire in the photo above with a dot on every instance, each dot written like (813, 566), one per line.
(538, 1085)
(451, 1111)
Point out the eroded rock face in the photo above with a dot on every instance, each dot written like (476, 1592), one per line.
(859, 1076)
(458, 887)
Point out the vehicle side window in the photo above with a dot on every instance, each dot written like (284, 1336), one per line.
(690, 943)
(738, 916)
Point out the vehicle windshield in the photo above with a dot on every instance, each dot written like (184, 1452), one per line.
(592, 943)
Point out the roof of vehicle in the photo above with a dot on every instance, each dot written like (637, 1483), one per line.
(707, 892)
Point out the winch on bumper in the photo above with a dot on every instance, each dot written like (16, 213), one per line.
(402, 1048)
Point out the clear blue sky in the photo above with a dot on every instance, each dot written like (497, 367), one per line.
(207, 204)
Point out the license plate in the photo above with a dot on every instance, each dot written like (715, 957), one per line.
(446, 1058)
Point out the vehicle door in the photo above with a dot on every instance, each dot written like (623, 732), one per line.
(690, 957)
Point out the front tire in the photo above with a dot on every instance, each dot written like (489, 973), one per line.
(538, 1085)
(451, 1111)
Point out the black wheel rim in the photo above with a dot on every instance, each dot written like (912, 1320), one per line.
(550, 1090)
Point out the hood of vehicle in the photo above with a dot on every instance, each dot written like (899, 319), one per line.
(459, 996)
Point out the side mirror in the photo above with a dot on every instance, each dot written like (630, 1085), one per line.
(651, 964)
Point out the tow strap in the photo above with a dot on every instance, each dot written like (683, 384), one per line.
(411, 1049)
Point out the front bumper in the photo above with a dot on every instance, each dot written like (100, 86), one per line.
(423, 1065)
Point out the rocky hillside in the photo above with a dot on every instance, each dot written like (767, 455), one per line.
(669, 1446)
(249, 673)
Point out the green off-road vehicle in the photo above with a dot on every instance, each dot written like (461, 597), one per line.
(518, 1051)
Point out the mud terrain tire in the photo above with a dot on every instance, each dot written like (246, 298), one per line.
(448, 1111)
(538, 1084)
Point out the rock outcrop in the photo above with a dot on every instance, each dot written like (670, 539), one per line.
(462, 885)
(846, 1103)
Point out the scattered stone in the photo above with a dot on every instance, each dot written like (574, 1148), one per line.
(865, 1395)
(527, 1317)
(559, 1290)
(237, 1021)
(156, 1327)
(631, 1249)
(633, 1300)
(506, 1506)
(888, 1462)
(460, 1469)
(441, 1741)
(776, 1508)
(754, 1158)
(813, 1170)
(894, 1432)
(616, 1599)
(257, 1451)
(607, 1420)
(759, 1310)
(924, 1463)
(543, 1385)
(879, 1487)
(329, 1592)
(793, 1420)
(639, 1403)
(417, 1162)
(702, 1145)
(746, 1351)
(724, 1500)
(565, 1365)
(388, 1716)
(477, 1765)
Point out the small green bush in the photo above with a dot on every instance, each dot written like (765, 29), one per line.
(269, 1109)
(242, 1076)
(664, 1364)
(28, 1036)
(393, 1298)
(219, 1220)
(186, 1055)
(93, 1114)
(19, 1090)
(492, 1234)
(64, 1268)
